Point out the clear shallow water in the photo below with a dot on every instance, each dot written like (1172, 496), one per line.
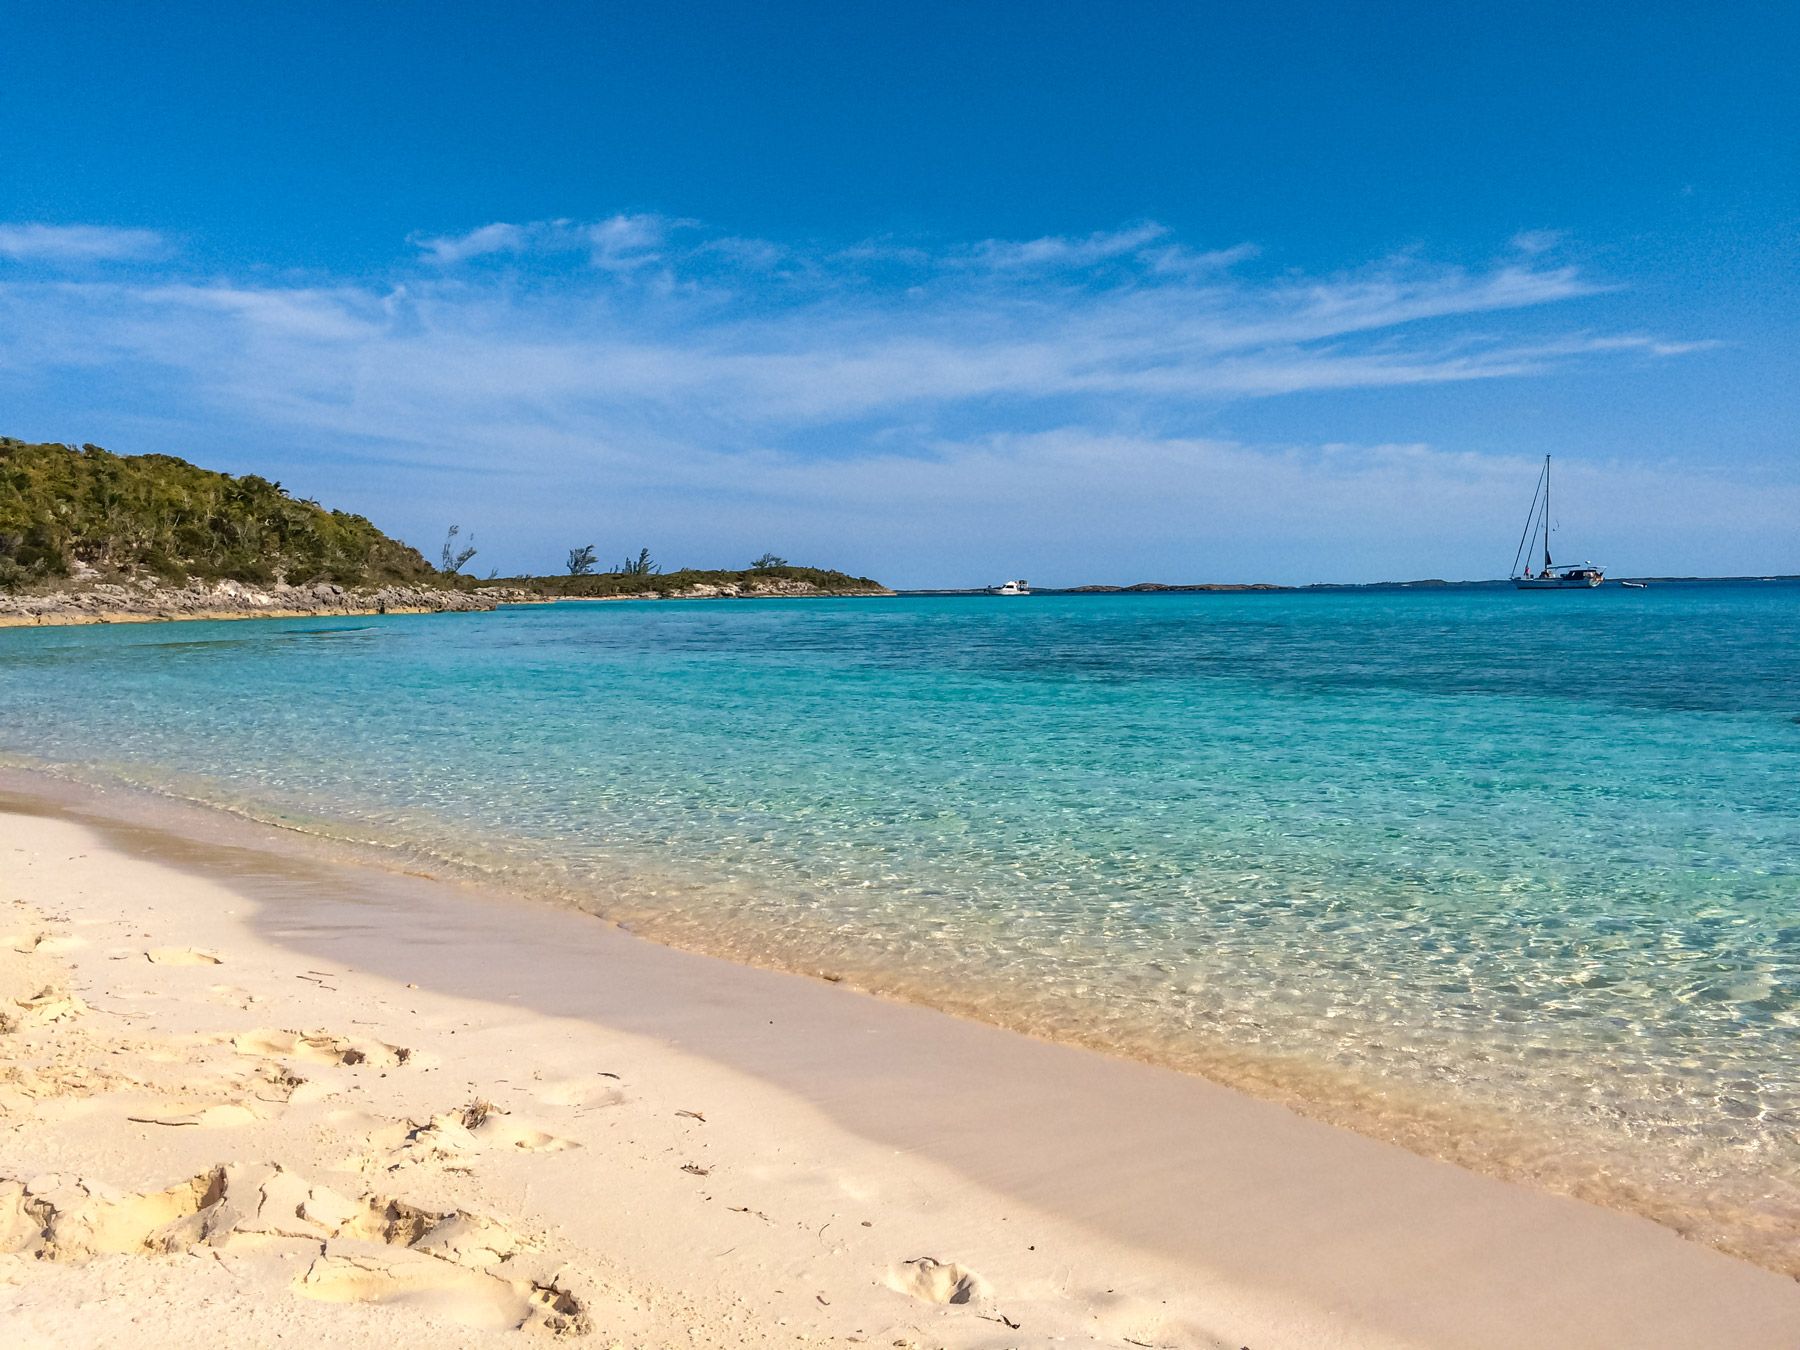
(1511, 878)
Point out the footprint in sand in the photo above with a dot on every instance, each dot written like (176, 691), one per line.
(494, 1128)
(182, 956)
(47, 1005)
(275, 1085)
(345, 1274)
(372, 1250)
(933, 1281)
(454, 1262)
(58, 1218)
(320, 1047)
(357, 1273)
(470, 1129)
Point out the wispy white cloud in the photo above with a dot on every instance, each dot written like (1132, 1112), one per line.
(625, 242)
(723, 340)
(617, 243)
(881, 250)
(838, 388)
(76, 243)
(628, 241)
(500, 237)
(1058, 251)
(1181, 260)
(1533, 242)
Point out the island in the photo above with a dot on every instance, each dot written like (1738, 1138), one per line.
(89, 536)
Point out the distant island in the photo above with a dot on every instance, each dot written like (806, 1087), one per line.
(88, 536)
(689, 583)
(1262, 587)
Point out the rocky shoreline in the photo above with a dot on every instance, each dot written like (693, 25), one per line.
(772, 588)
(142, 601)
(145, 601)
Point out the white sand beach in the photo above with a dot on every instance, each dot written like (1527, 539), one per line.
(254, 1095)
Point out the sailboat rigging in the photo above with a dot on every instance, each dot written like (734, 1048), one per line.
(1549, 577)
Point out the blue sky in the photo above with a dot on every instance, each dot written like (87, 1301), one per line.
(940, 293)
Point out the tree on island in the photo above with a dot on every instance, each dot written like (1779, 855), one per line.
(768, 562)
(581, 561)
(454, 558)
(640, 566)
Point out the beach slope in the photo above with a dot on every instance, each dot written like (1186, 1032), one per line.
(249, 1093)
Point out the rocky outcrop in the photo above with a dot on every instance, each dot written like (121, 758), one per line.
(143, 601)
(699, 583)
(758, 588)
(765, 587)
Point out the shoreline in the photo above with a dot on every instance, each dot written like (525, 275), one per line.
(141, 602)
(198, 616)
(1482, 1137)
(65, 609)
(1258, 1226)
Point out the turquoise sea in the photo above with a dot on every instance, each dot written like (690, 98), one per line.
(1512, 878)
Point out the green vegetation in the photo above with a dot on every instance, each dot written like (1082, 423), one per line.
(455, 558)
(640, 566)
(130, 514)
(595, 587)
(65, 510)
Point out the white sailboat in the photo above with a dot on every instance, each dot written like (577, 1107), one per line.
(1549, 577)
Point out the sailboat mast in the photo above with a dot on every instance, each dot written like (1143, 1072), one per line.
(1546, 513)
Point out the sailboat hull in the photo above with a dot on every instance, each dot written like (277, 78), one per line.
(1556, 583)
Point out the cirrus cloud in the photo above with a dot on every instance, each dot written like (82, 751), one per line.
(775, 377)
(29, 242)
(617, 243)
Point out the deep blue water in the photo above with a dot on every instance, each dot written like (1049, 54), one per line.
(1512, 876)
